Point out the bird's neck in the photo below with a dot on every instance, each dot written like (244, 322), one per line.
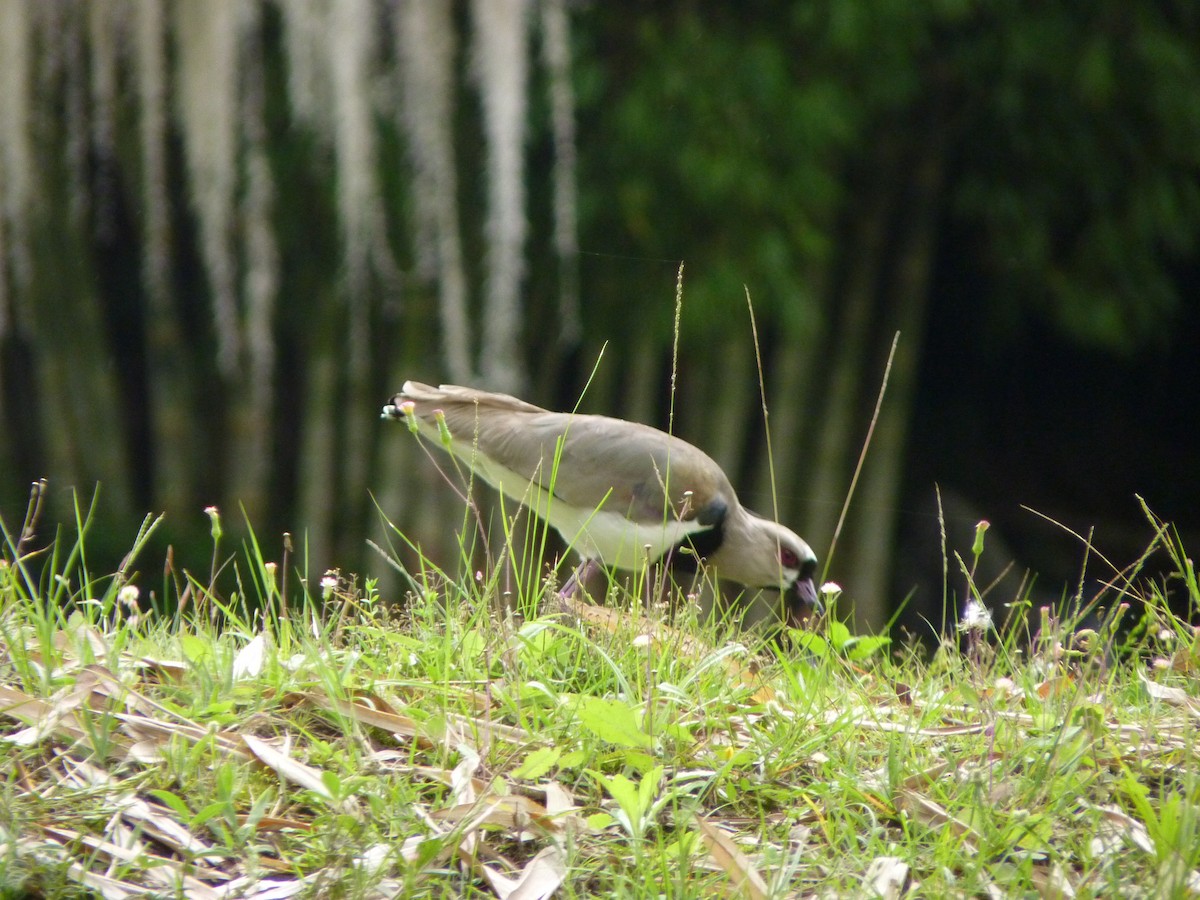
(749, 551)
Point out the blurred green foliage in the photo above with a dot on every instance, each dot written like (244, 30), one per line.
(740, 138)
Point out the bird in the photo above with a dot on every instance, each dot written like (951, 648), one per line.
(620, 493)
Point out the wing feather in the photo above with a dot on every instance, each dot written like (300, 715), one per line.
(629, 468)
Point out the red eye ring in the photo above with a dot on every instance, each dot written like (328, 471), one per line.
(788, 558)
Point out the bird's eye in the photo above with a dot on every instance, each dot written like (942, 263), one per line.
(789, 559)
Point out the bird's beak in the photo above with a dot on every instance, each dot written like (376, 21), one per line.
(802, 602)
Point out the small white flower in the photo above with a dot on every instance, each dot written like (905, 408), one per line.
(128, 596)
(975, 617)
(214, 518)
(642, 640)
(831, 587)
(328, 583)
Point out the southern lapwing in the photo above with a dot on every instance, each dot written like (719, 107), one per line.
(620, 493)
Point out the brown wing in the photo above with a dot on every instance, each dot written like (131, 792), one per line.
(636, 467)
(623, 465)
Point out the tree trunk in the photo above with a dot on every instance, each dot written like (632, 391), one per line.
(716, 413)
(795, 428)
(319, 462)
(841, 407)
(906, 296)
(501, 51)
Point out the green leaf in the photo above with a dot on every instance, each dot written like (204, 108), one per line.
(613, 721)
(225, 776)
(173, 801)
(678, 732)
(430, 849)
(809, 643)
(539, 645)
(638, 760)
(195, 648)
(600, 821)
(573, 759)
(624, 791)
(333, 784)
(471, 645)
(648, 789)
(684, 847)
(214, 809)
(217, 708)
(860, 648)
(839, 634)
(537, 763)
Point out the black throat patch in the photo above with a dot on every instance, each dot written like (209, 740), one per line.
(688, 553)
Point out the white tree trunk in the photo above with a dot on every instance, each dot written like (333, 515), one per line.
(425, 43)
(207, 106)
(501, 70)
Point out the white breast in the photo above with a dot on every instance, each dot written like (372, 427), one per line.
(592, 533)
(614, 539)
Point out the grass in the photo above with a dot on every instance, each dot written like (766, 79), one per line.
(319, 741)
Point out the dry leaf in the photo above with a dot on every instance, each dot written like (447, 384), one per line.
(156, 822)
(1051, 881)
(742, 873)
(171, 670)
(934, 815)
(515, 811)
(558, 798)
(538, 880)
(249, 661)
(1057, 686)
(886, 877)
(1172, 696)
(1120, 824)
(295, 771)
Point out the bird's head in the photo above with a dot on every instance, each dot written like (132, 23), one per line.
(797, 569)
(764, 555)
